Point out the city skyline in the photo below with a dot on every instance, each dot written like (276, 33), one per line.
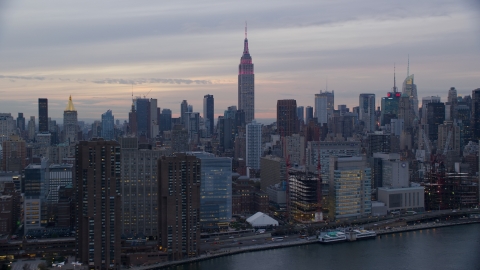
(174, 51)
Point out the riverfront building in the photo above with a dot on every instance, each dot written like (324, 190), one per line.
(350, 187)
(215, 190)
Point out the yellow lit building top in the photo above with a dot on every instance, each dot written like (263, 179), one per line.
(70, 106)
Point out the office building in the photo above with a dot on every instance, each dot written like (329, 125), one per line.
(31, 128)
(246, 83)
(324, 150)
(166, 120)
(350, 187)
(308, 114)
(301, 114)
(253, 145)
(180, 139)
(324, 106)
(132, 121)
(215, 191)
(367, 111)
(21, 122)
(272, 171)
(42, 115)
(142, 110)
(425, 102)
(98, 200)
(108, 125)
(287, 120)
(305, 196)
(435, 117)
(179, 182)
(7, 126)
(70, 123)
(294, 149)
(410, 90)
(14, 154)
(403, 199)
(35, 190)
(208, 113)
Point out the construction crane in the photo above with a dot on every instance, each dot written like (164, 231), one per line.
(145, 96)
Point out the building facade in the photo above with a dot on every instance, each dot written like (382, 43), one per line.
(367, 111)
(179, 205)
(287, 120)
(253, 145)
(98, 199)
(42, 115)
(246, 83)
(70, 123)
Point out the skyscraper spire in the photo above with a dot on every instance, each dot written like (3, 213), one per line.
(245, 29)
(408, 66)
(394, 80)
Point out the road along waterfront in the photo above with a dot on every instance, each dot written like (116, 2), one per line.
(301, 242)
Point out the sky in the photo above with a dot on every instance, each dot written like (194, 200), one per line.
(101, 51)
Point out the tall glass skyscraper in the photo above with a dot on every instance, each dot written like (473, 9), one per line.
(215, 190)
(108, 125)
(208, 109)
(42, 115)
(246, 83)
(142, 107)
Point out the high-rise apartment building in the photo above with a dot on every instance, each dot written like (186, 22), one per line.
(253, 145)
(98, 199)
(31, 128)
(246, 83)
(139, 189)
(208, 113)
(42, 115)
(367, 111)
(287, 117)
(179, 180)
(108, 125)
(70, 123)
(324, 106)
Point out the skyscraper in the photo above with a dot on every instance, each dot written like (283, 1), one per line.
(70, 122)
(183, 111)
(208, 109)
(108, 125)
(475, 119)
(246, 83)
(287, 117)
(324, 103)
(166, 120)
(300, 114)
(254, 145)
(142, 108)
(308, 114)
(179, 205)
(367, 111)
(20, 122)
(42, 115)
(97, 188)
(410, 89)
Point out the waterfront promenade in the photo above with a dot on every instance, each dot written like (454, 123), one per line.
(296, 241)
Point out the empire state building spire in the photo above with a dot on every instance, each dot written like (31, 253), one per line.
(246, 83)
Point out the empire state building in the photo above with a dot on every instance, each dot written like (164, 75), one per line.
(246, 83)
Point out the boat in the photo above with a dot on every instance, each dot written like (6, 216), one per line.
(332, 237)
(362, 234)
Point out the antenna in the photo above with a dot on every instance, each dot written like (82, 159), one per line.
(326, 85)
(394, 80)
(408, 66)
(245, 29)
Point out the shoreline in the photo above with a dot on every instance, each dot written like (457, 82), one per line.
(300, 242)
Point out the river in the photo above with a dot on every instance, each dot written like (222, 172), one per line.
(456, 247)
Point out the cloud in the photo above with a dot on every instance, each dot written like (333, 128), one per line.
(151, 80)
(22, 77)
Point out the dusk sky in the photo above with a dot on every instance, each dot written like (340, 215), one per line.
(175, 50)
